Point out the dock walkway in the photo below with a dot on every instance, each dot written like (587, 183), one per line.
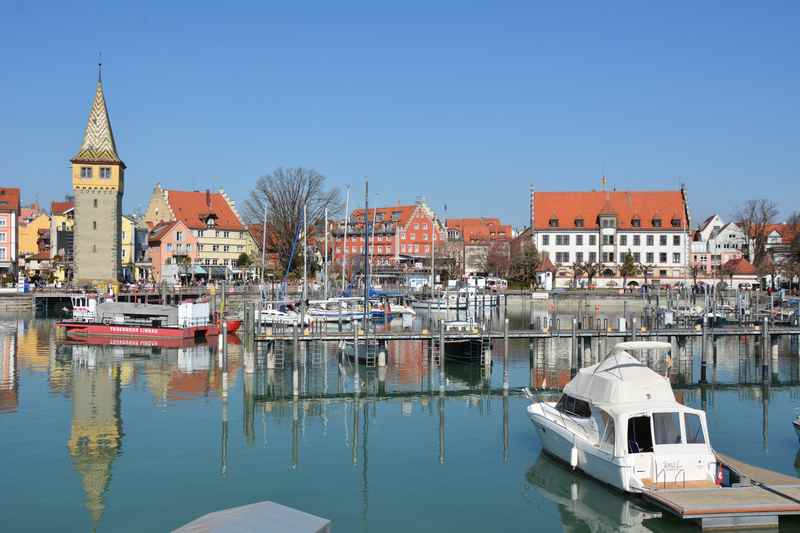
(313, 334)
(756, 500)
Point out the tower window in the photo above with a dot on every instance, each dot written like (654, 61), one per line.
(94, 224)
(105, 172)
(94, 202)
(94, 248)
(86, 172)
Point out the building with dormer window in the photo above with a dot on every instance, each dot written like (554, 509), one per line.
(212, 218)
(601, 227)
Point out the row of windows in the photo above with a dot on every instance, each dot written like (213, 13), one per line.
(87, 172)
(564, 240)
(611, 222)
(608, 257)
(230, 262)
(216, 233)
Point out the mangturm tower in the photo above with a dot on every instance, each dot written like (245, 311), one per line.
(98, 185)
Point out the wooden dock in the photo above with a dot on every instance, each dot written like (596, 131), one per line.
(756, 499)
(330, 334)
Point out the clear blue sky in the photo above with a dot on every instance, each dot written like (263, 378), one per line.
(465, 103)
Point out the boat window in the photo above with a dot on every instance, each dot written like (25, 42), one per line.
(694, 429)
(608, 437)
(640, 439)
(667, 428)
(573, 406)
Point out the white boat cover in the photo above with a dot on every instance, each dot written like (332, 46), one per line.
(620, 378)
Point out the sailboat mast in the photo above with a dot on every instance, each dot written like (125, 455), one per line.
(433, 251)
(346, 224)
(305, 257)
(325, 264)
(366, 255)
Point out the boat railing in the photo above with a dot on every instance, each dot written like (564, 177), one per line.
(678, 473)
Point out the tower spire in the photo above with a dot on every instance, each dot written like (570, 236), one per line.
(98, 140)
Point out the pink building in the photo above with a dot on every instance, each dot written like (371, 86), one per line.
(168, 243)
(9, 230)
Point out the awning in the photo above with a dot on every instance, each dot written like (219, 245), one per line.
(197, 269)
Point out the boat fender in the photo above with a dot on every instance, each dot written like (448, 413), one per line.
(573, 490)
(573, 457)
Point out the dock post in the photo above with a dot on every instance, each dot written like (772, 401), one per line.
(356, 377)
(703, 350)
(223, 337)
(386, 311)
(766, 358)
(505, 354)
(295, 370)
(573, 364)
(714, 340)
(441, 356)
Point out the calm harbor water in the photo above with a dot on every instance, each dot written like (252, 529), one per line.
(139, 438)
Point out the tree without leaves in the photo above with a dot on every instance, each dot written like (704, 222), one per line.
(590, 269)
(282, 194)
(755, 217)
(646, 271)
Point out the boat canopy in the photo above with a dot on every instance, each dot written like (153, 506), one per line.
(620, 378)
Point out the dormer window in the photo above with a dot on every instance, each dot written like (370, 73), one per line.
(636, 222)
(553, 223)
(656, 222)
(578, 222)
(211, 221)
(608, 222)
(676, 222)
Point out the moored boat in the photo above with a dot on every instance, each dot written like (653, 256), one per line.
(618, 421)
(188, 320)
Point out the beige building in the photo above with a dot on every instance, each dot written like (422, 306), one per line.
(214, 222)
(98, 184)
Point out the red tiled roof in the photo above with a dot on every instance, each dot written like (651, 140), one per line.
(740, 267)
(786, 231)
(481, 229)
(404, 216)
(159, 230)
(9, 199)
(644, 205)
(59, 208)
(546, 266)
(193, 207)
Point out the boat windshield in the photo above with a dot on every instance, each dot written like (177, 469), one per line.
(574, 407)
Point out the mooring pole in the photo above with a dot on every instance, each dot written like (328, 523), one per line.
(505, 355)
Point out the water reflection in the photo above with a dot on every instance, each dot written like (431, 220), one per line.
(585, 504)
(292, 408)
(96, 434)
(9, 379)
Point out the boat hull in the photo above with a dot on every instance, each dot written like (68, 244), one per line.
(558, 442)
(88, 329)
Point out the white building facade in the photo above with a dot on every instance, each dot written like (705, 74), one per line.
(602, 227)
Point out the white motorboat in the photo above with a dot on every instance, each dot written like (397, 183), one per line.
(336, 309)
(796, 425)
(618, 421)
(274, 317)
